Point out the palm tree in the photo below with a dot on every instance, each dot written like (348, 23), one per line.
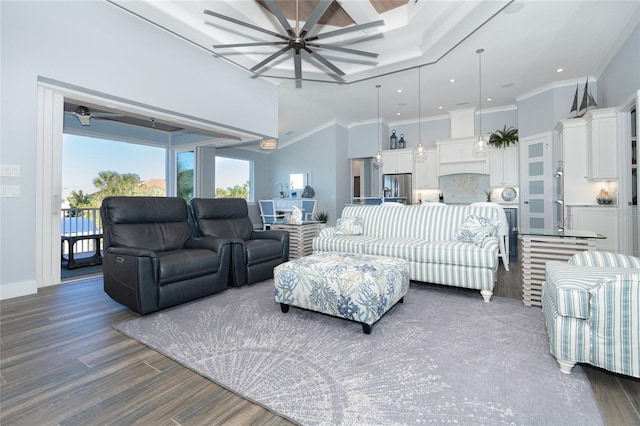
(111, 183)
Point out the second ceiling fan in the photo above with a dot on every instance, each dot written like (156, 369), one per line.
(299, 39)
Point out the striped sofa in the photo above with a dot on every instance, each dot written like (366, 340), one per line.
(424, 236)
(591, 308)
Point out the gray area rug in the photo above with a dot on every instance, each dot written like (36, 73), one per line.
(442, 356)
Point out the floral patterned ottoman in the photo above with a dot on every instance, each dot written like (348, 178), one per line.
(357, 287)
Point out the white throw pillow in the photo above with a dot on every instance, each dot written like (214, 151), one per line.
(476, 229)
(349, 226)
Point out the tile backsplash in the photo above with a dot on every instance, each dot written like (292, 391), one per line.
(464, 188)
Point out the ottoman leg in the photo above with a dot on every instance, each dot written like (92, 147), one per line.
(284, 308)
(366, 328)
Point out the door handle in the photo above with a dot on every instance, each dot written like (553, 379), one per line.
(526, 202)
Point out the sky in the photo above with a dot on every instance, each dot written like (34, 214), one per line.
(83, 157)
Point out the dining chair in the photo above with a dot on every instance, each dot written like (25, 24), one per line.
(309, 208)
(268, 213)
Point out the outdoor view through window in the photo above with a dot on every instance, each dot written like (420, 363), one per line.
(93, 169)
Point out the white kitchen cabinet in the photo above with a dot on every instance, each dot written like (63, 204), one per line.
(458, 156)
(397, 161)
(504, 166)
(602, 142)
(426, 171)
(603, 220)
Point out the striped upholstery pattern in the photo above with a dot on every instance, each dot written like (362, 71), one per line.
(592, 312)
(615, 324)
(424, 236)
(571, 284)
(604, 258)
(568, 336)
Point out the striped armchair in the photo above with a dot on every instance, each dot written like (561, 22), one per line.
(591, 308)
(425, 236)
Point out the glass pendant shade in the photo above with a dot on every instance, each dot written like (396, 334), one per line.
(420, 153)
(481, 145)
(378, 160)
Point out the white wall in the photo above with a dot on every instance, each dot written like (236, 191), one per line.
(621, 77)
(98, 47)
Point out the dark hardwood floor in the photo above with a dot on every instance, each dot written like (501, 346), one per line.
(62, 363)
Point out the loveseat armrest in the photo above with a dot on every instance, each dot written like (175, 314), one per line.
(603, 258)
(615, 325)
(218, 245)
(131, 251)
(271, 234)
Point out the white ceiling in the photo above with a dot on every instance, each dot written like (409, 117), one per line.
(525, 43)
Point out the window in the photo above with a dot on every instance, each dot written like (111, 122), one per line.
(233, 178)
(94, 168)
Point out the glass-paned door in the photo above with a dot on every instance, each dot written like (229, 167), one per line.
(536, 185)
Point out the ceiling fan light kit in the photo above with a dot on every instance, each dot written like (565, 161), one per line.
(84, 116)
(299, 39)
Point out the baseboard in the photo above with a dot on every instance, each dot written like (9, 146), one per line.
(22, 288)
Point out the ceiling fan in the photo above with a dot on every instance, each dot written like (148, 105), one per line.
(84, 115)
(299, 39)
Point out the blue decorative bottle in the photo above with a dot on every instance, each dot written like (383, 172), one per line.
(393, 140)
(402, 144)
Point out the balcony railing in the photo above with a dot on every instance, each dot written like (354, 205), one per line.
(80, 227)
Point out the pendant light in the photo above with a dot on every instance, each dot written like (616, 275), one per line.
(377, 159)
(480, 145)
(419, 153)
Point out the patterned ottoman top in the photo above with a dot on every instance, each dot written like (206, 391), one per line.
(355, 267)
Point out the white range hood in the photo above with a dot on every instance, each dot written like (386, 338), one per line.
(456, 155)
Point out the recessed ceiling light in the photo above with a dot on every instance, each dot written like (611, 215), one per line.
(397, 113)
(440, 107)
(560, 70)
(489, 99)
(399, 90)
(452, 80)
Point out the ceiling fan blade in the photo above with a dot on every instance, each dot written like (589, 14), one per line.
(266, 43)
(326, 63)
(317, 13)
(273, 7)
(347, 30)
(297, 62)
(343, 49)
(244, 24)
(270, 58)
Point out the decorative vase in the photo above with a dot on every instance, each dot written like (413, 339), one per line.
(393, 140)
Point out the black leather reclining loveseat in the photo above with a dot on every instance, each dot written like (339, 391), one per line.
(151, 259)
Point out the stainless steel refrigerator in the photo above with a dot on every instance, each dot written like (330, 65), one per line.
(397, 188)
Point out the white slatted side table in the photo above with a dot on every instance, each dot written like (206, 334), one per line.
(538, 246)
(300, 237)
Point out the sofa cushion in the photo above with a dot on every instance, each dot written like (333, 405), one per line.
(570, 285)
(349, 226)
(458, 253)
(475, 229)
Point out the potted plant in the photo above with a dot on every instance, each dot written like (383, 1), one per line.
(322, 217)
(504, 138)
